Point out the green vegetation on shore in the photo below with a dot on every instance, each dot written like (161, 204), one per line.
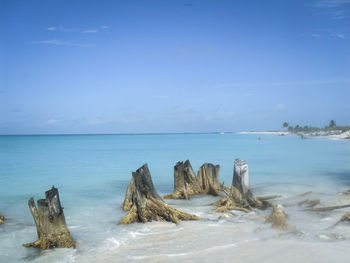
(308, 129)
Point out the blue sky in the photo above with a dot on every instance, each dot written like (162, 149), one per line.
(172, 66)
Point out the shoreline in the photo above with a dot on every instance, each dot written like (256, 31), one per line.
(265, 132)
(332, 135)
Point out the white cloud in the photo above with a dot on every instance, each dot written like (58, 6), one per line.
(337, 9)
(53, 42)
(51, 28)
(63, 29)
(342, 36)
(330, 3)
(316, 35)
(104, 27)
(60, 43)
(89, 31)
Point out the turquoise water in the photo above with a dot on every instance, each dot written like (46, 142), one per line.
(93, 171)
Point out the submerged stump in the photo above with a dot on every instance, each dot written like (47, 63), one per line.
(239, 195)
(278, 218)
(2, 219)
(50, 222)
(144, 203)
(186, 182)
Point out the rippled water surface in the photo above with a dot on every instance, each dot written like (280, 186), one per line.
(93, 171)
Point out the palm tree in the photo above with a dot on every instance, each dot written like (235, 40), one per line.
(332, 124)
(285, 125)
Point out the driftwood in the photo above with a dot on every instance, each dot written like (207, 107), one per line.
(328, 208)
(239, 196)
(306, 203)
(268, 197)
(345, 217)
(186, 183)
(50, 222)
(2, 219)
(278, 218)
(146, 205)
(347, 192)
(305, 193)
(309, 203)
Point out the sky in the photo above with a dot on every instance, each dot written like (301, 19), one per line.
(172, 66)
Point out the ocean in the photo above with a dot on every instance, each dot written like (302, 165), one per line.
(92, 172)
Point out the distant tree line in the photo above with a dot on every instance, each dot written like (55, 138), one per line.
(332, 126)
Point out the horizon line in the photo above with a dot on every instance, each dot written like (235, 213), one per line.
(136, 133)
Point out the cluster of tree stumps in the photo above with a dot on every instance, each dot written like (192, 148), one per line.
(144, 204)
(50, 222)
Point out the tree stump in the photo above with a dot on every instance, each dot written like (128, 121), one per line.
(239, 196)
(145, 203)
(2, 219)
(208, 179)
(186, 183)
(241, 176)
(50, 222)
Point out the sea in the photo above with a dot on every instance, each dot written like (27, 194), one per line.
(92, 173)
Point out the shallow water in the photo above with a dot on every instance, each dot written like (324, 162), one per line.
(93, 171)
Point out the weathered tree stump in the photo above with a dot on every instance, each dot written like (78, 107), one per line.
(239, 196)
(186, 183)
(241, 177)
(208, 179)
(2, 219)
(146, 205)
(50, 222)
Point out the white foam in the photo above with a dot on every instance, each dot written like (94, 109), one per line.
(194, 252)
(112, 243)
